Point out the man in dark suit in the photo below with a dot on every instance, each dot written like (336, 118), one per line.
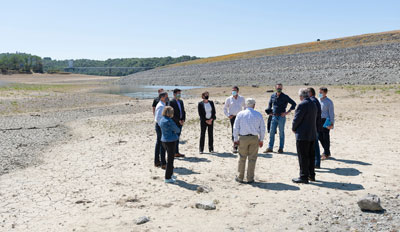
(179, 116)
(311, 94)
(207, 115)
(304, 126)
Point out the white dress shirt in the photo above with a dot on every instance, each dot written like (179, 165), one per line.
(234, 106)
(158, 113)
(208, 109)
(249, 122)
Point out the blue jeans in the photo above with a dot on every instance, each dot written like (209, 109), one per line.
(277, 121)
(317, 153)
(159, 152)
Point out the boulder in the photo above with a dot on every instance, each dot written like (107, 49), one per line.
(370, 202)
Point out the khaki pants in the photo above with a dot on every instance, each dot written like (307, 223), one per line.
(248, 148)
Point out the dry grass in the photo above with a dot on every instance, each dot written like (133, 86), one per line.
(346, 42)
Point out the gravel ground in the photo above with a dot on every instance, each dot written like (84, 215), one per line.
(378, 64)
(25, 136)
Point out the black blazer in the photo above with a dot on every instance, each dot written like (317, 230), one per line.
(304, 122)
(173, 103)
(202, 111)
(319, 120)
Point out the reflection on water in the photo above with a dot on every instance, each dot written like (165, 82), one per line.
(143, 92)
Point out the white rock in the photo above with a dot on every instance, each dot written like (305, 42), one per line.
(142, 220)
(206, 205)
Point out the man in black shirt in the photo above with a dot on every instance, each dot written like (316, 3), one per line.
(278, 104)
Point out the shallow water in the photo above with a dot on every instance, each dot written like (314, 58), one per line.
(143, 92)
(3, 83)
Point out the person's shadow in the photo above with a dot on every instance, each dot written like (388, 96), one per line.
(184, 171)
(349, 161)
(275, 186)
(265, 155)
(337, 185)
(289, 153)
(183, 184)
(195, 159)
(224, 155)
(340, 171)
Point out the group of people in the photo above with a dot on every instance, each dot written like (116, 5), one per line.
(313, 120)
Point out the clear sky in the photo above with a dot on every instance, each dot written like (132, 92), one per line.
(101, 29)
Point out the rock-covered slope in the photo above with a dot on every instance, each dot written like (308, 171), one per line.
(377, 64)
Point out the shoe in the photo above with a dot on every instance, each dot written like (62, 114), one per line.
(299, 181)
(235, 150)
(157, 165)
(325, 157)
(169, 181)
(177, 155)
(164, 166)
(318, 166)
(250, 182)
(268, 150)
(174, 177)
(211, 150)
(201, 152)
(280, 151)
(311, 178)
(238, 180)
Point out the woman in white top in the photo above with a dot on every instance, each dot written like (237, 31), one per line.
(207, 113)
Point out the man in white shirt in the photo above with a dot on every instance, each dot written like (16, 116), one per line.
(233, 105)
(248, 133)
(159, 150)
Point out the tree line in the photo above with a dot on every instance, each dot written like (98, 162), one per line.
(132, 65)
(27, 63)
(20, 63)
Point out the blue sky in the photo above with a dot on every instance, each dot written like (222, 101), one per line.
(121, 28)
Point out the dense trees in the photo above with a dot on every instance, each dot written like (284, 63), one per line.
(108, 67)
(26, 63)
(20, 63)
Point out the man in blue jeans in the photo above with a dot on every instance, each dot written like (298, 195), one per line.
(278, 104)
(159, 153)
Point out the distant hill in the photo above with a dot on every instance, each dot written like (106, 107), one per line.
(323, 45)
(363, 59)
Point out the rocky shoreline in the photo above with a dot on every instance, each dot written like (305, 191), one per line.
(364, 65)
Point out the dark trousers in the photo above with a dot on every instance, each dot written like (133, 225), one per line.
(232, 123)
(170, 148)
(306, 155)
(317, 153)
(324, 138)
(159, 150)
(203, 127)
(177, 142)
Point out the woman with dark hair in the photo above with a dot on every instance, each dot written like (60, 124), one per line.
(169, 138)
(207, 113)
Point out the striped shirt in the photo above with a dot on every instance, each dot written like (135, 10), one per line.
(249, 122)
